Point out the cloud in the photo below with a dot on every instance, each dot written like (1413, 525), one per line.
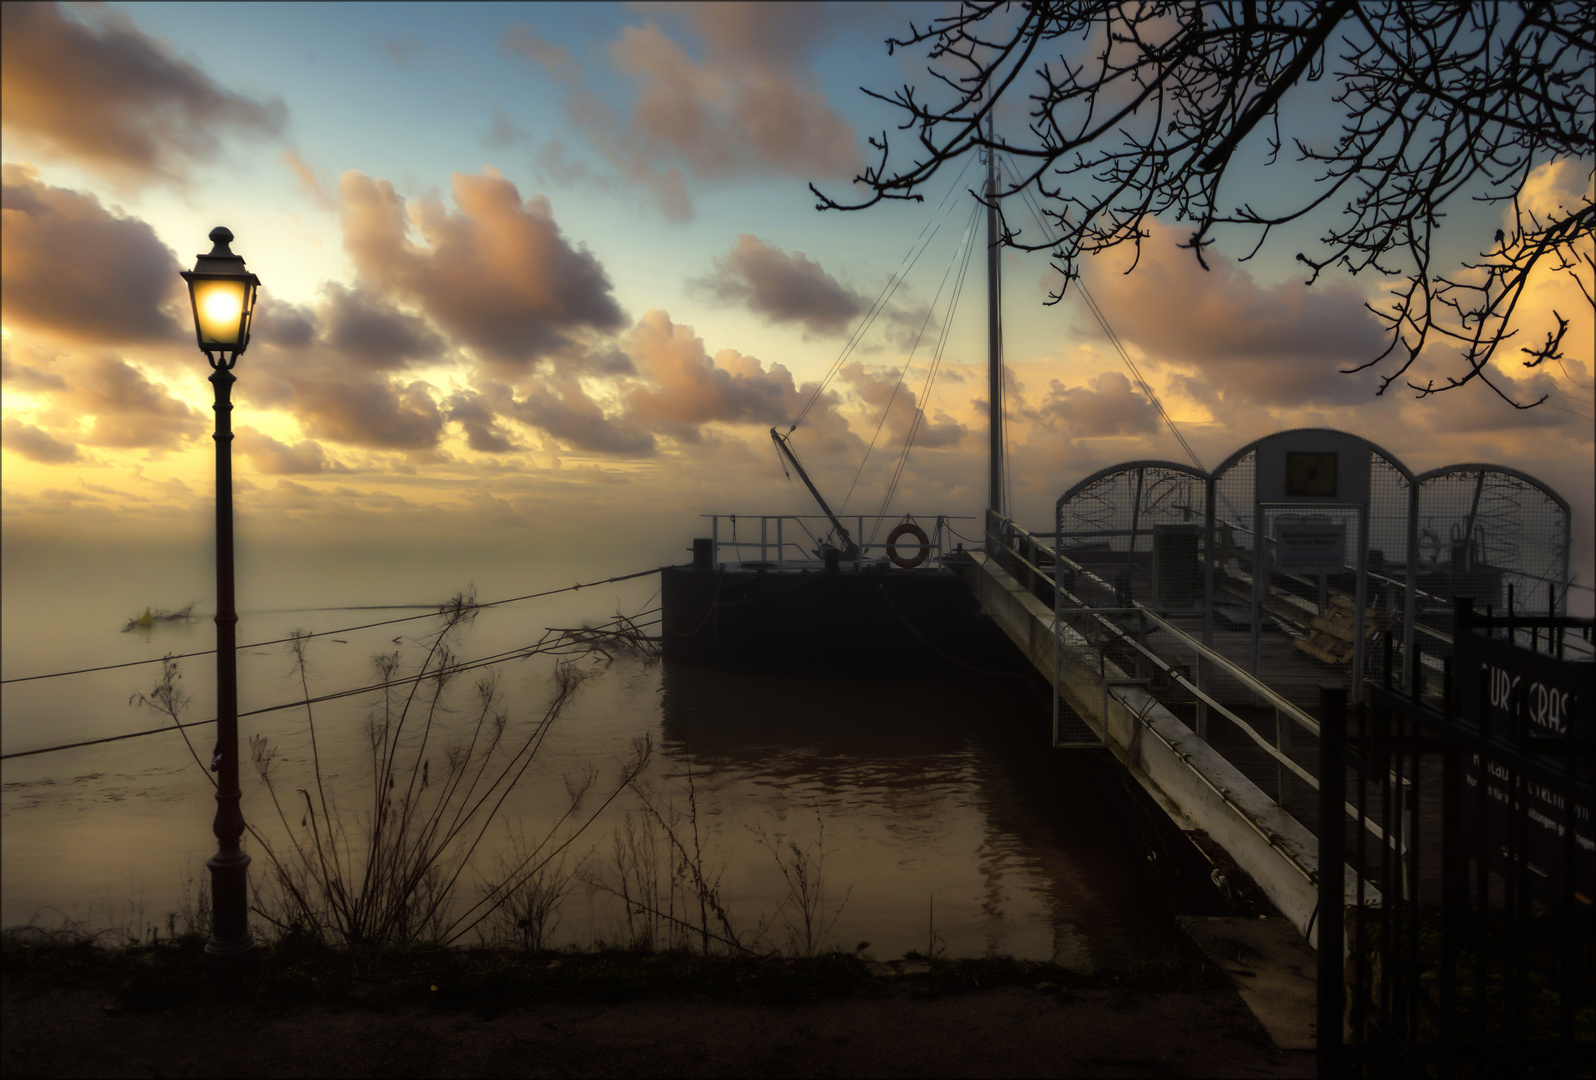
(123, 409)
(749, 107)
(522, 40)
(902, 410)
(567, 412)
(483, 433)
(310, 182)
(782, 287)
(1113, 408)
(36, 445)
(385, 414)
(504, 133)
(1238, 341)
(689, 389)
(102, 93)
(498, 275)
(403, 53)
(274, 458)
(369, 330)
(72, 269)
(26, 377)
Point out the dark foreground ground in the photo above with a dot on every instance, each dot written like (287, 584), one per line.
(75, 1011)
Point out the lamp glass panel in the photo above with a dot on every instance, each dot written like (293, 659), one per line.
(219, 310)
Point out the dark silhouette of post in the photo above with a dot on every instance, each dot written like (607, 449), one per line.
(994, 328)
(1332, 876)
(222, 293)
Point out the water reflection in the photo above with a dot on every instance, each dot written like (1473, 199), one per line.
(948, 802)
(948, 822)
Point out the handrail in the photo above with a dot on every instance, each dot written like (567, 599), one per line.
(1283, 706)
(779, 543)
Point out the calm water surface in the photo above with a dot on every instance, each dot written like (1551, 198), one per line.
(933, 801)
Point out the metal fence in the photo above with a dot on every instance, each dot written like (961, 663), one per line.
(792, 541)
(1480, 957)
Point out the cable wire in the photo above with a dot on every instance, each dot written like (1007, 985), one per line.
(522, 653)
(910, 258)
(324, 633)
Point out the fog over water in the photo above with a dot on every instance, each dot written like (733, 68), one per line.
(935, 804)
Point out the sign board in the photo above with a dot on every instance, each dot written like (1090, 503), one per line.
(1310, 473)
(1314, 465)
(1558, 697)
(1310, 547)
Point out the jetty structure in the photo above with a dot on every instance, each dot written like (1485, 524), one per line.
(1186, 618)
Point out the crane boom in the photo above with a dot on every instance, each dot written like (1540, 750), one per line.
(850, 550)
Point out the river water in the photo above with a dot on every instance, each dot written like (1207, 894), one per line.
(929, 809)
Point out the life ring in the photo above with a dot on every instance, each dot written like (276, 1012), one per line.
(908, 528)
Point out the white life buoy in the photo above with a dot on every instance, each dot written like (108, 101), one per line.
(908, 528)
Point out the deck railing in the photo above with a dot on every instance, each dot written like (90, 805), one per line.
(792, 541)
(1090, 621)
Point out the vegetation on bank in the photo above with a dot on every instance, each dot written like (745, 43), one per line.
(171, 973)
(152, 616)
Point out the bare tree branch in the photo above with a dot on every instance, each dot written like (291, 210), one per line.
(1140, 110)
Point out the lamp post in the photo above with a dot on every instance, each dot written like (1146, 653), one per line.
(222, 293)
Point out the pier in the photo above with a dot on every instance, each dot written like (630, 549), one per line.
(1186, 621)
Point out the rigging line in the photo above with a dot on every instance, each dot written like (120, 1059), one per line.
(966, 246)
(930, 379)
(930, 311)
(1030, 203)
(934, 224)
(931, 373)
(324, 633)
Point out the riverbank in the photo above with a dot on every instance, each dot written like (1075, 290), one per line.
(75, 1009)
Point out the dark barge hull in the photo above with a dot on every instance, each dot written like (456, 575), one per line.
(878, 618)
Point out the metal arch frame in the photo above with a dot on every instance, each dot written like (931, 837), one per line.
(1463, 469)
(1123, 466)
(1415, 482)
(1204, 666)
(1475, 466)
(1395, 462)
(1208, 519)
(1409, 610)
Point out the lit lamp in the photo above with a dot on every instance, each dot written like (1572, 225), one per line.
(222, 293)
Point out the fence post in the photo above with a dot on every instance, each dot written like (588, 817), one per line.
(1332, 878)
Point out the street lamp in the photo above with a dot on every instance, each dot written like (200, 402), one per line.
(222, 293)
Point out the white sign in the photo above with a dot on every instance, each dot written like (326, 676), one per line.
(1309, 548)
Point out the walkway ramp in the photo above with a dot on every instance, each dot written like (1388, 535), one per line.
(1200, 789)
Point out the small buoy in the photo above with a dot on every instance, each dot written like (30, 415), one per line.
(147, 619)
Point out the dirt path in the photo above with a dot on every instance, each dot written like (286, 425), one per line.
(903, 1029)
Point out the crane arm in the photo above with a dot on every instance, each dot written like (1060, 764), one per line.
(850, 550)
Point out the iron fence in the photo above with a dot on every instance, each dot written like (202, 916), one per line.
(1479, 959)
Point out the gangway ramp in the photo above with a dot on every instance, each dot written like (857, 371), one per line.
(1200, 785)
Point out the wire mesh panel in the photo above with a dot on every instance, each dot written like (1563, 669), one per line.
(1494, 535)
(1137, 528)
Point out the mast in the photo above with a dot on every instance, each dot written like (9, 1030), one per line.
(994, 327)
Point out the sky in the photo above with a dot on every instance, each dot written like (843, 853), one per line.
(537, 281)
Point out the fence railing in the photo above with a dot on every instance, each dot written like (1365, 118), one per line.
(1095, 620)
(1486, 964)
(792, 541)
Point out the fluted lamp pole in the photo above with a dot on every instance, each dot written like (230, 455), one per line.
(222, 293)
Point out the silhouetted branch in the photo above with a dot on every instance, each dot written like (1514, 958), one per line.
(1140, 110)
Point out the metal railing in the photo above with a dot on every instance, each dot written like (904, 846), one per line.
(1097, 628)
(1488, 967)
(792, 541)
